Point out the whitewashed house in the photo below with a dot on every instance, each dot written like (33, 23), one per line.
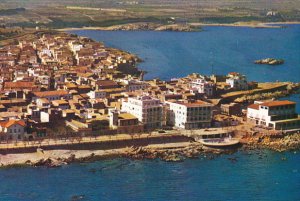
(204, 87)
(12, 130)
(97, 94)
(237, 81)
(279, 115)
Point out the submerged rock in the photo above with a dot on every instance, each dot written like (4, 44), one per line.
(77, 197)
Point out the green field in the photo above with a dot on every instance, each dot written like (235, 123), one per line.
(78, 13)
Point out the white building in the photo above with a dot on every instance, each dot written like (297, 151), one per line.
(97, 94)
(134, 85)
(279, 115)
(75, 46)
(12, 130)
(148, 110)
(193, 115)
(237, 81)
(272, 13)
(45, 52)
(204, 87)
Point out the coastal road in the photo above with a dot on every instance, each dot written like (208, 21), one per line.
(79, 140)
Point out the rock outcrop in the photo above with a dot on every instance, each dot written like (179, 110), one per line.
(48, 162)
(169, 155)
(270, 61)
(279, 144)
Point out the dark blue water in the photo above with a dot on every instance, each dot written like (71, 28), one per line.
(167, 55)
(217, 49)
(250, 178)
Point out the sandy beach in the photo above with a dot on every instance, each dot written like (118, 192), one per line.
(236, 24)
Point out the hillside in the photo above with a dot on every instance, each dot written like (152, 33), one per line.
(74, 13)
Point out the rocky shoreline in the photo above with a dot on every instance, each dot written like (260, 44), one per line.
(164, 152)
(279, 144)
(192, 151)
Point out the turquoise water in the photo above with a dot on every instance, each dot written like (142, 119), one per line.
(217, 49)
(264, 177)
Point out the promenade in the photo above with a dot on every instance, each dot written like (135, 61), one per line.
(145, 138)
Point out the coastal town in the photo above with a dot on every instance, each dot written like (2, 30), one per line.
(58, 86)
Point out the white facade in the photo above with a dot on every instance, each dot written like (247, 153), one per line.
(42, 103)
(13, 131)
(237, 81)
(75, 47)
(148, 110)
(189, 115)
(203, 86)
(97, 94)
(274, 114)
(45, 117)
(136, 85)
(45, 52)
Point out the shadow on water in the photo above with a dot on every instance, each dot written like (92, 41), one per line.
(111, 165)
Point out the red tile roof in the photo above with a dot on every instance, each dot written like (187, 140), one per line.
(254, 106)
(277, 103)
(11, 122)
(19, 85)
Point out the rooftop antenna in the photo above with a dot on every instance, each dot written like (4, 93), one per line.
(212, 62)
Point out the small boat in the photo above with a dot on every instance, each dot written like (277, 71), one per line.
(220, 142)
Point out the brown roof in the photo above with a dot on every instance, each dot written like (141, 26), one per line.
(127, 116)
(277, 103)
(194, 104)
(106, 83)
(60, 102)
(50, 93)
(19, 85)
(254, 106)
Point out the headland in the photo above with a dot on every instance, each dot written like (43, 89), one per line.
(67, 98)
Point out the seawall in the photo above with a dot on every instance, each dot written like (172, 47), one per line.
(100, 145)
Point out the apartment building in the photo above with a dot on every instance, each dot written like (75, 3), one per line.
(189, 115)
(147, 109)
(279, 115)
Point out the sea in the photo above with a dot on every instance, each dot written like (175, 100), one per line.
(253, 176)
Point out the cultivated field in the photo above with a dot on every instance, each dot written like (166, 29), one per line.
(74, 13)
